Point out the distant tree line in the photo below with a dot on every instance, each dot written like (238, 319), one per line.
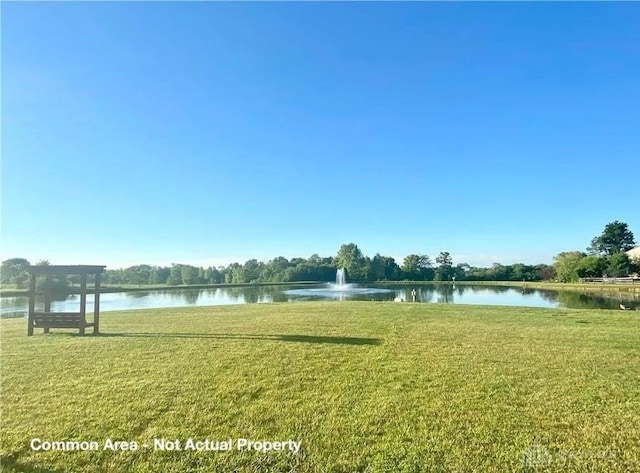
(606, 256)
(14, 271)
(359, 268)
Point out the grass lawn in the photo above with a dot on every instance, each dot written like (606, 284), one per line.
(364, 386)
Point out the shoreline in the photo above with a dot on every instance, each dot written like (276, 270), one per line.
(554, 286)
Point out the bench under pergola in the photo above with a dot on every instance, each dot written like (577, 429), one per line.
(47, 319)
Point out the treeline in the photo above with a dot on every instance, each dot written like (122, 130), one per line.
(359, 268)
(570, 266)
(252, 271)
(606, 256)
(13, 271)
(300, 269)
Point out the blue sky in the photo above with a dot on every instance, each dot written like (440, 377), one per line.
(207, 133)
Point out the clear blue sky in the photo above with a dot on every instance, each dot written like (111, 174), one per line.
(207, 133)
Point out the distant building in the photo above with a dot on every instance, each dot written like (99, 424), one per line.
(634, 252)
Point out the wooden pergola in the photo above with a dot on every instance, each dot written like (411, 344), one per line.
(47, 319)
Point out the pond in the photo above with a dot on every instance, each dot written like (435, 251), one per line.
(435, 293)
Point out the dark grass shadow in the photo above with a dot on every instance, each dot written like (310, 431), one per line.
(9, 463)
(233, 336)
(339, 340)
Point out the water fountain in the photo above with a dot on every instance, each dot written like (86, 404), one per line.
(340, 290)
(341, 281)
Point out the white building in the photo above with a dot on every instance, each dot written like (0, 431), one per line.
(634, 253)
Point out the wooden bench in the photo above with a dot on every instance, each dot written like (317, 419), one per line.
(48, 320)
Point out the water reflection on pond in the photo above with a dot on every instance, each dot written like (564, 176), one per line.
(436, 293)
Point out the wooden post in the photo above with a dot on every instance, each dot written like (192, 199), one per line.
(96, 305)
(47, 297)
(83, 301)
(32, 302)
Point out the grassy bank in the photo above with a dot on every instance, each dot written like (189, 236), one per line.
(554, 286)
(12, 291)
(366, 387)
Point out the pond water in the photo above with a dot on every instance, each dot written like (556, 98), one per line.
(436, 293)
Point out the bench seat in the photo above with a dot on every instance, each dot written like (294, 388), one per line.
(49, 320)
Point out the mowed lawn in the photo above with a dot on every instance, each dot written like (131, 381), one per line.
(364, 386)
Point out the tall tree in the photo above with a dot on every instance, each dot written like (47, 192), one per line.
(461, 270)
(236, 274)
(391, 269)
(351, 258)
(444, 258)
(444, 271)
(252, 270)
(417, 267)
(175, 275)
(615, 238)
(384, 268)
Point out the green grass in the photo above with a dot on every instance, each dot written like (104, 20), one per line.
(365, 386)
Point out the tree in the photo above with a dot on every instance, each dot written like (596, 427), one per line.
(444, 258)
(417, 267)
(500, 272)
(154, 276)
(351, 258)
(391, 269)
(158, 275)
(252, 270)
(175, 275)
(56, 285)
(14, 271)
(518, 272)
(189, 274)
(215, 276)
(274, 270)
(139, 274)
(545, 272)
(444, 271)
(236, 274)
(566, 265)
(616, 238)
(384, 268)
(461, 270)
(619, 265)
(592, 266)
(315, 259)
